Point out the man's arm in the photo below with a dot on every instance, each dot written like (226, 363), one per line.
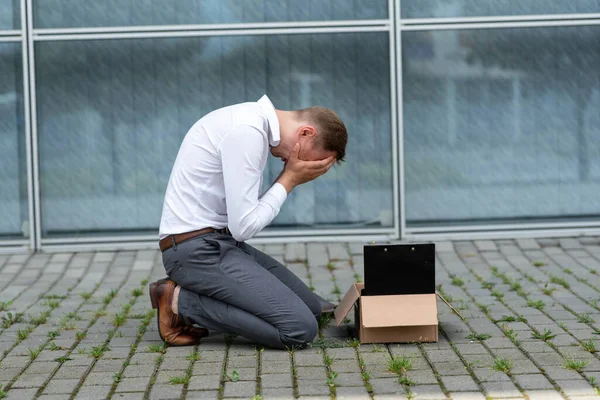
(242, 154)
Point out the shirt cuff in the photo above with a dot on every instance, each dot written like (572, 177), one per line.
(275, 196)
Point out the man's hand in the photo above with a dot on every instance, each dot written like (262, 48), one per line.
(297, 171)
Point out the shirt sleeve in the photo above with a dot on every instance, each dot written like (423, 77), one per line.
(242, 155)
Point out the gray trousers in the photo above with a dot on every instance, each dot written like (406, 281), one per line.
(231, 287)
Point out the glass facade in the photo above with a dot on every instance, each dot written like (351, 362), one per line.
(10, 15)
(112, 114)
(454, 125)
(501, 124)
(92, 13)
(491, 8)
(13, 174)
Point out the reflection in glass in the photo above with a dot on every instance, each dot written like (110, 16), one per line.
(92, 13)
(488, 8)
(112, 114)
(501, 124)
(13, 173)
(10, 14)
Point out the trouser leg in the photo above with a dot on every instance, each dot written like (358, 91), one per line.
(224, 288)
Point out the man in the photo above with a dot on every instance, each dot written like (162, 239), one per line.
(213, 205)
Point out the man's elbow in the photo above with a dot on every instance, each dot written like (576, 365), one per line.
(240, 234)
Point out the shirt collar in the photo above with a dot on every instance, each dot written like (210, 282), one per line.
(267, 106)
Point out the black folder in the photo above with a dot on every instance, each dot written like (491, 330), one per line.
(393, 269)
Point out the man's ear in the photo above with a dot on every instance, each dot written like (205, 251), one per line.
(308, 131)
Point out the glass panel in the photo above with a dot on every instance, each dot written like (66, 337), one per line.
(502, 124)
(480, 8)
(10, 15)
(13, 173)
(91, 13)
(112, 115)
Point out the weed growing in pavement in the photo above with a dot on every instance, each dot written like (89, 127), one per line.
(457, 281)
(483, 307)
(23, 334)
(530, 278)
(34, 352)
(502, 365)
(399, 365)
(510, 333)
(53, 347)
(559, 281)
(497, 294)
(52, 304)
(179, 380)
(548, 290)
(405, 381)
(137, 292)
(235, 376)
(119, 319)
(62, 359)
(86, 295)
(10, 319)
(40, 319)
(488, 285)
(53, 334)
(589, 346)
(2, 393)
(511, 318)
(479, 336)
(158, 348)
(545, 336)
(576, 365)
(97, 351)
(109, 296)
(117, 377)
(323, 320)
(331, 376)
(193, 356)
(537, 304)
(538, 263)
(5, 304)
(585, 319)
(80, 335)
(330, 267)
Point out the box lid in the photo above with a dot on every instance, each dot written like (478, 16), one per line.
(399, 310)
(347, 302)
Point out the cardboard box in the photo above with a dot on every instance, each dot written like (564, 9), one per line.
(397, 303)
(390, 318)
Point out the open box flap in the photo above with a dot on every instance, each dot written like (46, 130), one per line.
(347, 302)
(399, 310)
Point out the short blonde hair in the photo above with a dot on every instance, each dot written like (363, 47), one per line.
(333, 135)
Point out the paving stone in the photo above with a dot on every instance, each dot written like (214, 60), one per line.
(500, 389)
(20, 394)
(133, 384)
(352, 392)
(533, 381)
(277, 393)
(203, 395)
(161, 392)
(457, 383)
(576, 387)
(276, 380)
(56, 386)
(386, 386)
(428, 392)
(543, 395)
(467, 396)
(204, 382)
(312, 387)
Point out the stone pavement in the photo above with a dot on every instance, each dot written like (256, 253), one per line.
(80, 326)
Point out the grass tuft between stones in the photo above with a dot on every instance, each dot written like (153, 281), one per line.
(502, 365)
(575, 365)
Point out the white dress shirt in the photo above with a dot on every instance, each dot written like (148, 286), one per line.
(217, 175)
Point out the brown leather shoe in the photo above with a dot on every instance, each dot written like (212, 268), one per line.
(170, 327)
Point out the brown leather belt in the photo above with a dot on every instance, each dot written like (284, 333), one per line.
(167, 242)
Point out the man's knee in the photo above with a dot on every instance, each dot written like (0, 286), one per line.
(304, 332)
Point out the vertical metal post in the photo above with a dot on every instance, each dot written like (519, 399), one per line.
(400, 146)
(36, 233)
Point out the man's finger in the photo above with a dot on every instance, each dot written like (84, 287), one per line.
(295, 151)
(320, 163)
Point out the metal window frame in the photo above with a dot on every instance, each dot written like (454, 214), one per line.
(394, 25)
